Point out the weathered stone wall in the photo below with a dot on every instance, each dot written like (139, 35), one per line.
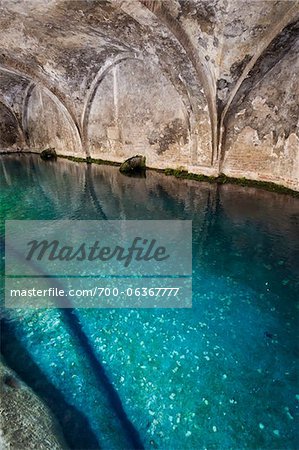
(262, 140)
(47, 124)
(207, 85)
(10, 133)
(136, 107)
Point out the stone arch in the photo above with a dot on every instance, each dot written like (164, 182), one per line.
(276, 31)
(135, 108)
(11, 134)
(109, 64)
(262, 129)
(16, 68)
(47, 123)
(205, 77)
(27, 95)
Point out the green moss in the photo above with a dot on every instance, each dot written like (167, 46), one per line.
(184, 174)
(223, 179)
(72, 158)
(89, 160)
(178, 173)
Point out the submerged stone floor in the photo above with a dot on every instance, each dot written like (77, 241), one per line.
(221, 375)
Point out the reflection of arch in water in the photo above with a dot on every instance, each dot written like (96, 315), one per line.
(88, 196)
(55, 189)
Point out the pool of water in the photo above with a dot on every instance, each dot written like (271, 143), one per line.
(222, 375)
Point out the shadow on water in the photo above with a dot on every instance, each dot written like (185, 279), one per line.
(75, 326)
(75, 426)
(89, 188)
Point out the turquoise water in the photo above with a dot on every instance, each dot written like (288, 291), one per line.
(223, 375)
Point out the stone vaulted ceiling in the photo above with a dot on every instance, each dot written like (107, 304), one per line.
(210, 85)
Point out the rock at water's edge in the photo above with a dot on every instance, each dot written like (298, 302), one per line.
(48, 154)
(135, 164)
